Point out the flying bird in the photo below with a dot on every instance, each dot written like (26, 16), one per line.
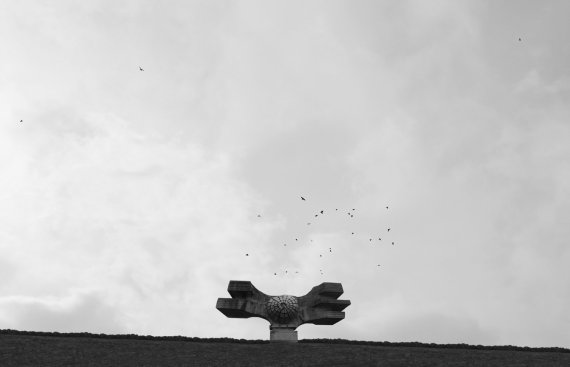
(259, 215)
(246, 254)
(322, 211)
(386, 207)
(141, 69)
(520, 39)
(388, 229)
(302, 198)
(392, 243)
(21, 120)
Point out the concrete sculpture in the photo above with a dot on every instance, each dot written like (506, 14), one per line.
(285, 313)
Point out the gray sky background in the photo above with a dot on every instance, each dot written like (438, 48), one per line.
(129, 199)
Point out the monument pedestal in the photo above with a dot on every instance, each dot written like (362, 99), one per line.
(282, 334)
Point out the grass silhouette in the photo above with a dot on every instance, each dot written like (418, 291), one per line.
(26, 348)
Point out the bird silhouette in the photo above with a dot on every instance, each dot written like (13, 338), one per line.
(520, 39)
(388, 229)
(392, 243)
(21, 120)
(246, 254)
(141, 69)
(259, 215)
(322, 211)
(386, 207)
(302, 198)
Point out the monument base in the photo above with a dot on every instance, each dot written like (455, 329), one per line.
(282, 334)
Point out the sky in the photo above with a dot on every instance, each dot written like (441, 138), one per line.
(129, 199)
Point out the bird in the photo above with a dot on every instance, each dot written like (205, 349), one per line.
(21, 120)
(371, 240)
(284, 244)
(330, 249)
(322, 211)
(309, 223)
(520, 39)
(352, 232)
(386, 207)
(141, 69)
(378, 264)
(316, 215)
(388, 229)
(275, 273)
(392, 243)
(296, 239)
(379, 239)
(259, 215)
(246, 254)
(321, 255)
(302, 198)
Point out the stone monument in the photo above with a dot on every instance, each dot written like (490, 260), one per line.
(285, 313)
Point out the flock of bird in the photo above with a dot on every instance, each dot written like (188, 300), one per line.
(350, 213)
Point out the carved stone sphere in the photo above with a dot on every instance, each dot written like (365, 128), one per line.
(282, 309)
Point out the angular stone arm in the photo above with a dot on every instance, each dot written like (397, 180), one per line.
(247, 301)
(321, 307)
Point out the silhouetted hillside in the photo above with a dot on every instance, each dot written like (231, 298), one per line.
(28, 348)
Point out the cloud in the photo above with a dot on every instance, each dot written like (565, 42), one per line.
(109, 207)
(77, 312)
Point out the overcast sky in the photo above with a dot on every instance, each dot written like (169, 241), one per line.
(129, 199)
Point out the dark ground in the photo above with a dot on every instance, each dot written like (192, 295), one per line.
(45, 351)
